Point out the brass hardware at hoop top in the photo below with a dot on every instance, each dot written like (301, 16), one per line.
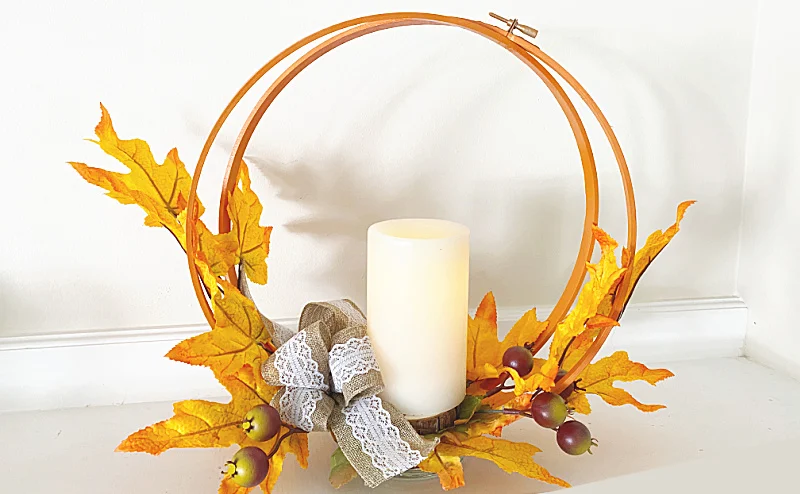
(514, 24)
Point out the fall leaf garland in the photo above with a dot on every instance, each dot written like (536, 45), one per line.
(239, 341)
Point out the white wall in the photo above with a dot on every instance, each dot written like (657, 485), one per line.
(416, 121)
(770, 257)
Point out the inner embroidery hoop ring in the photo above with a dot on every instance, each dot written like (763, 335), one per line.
(531, 55)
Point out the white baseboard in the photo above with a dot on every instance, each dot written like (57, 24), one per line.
(127, 365)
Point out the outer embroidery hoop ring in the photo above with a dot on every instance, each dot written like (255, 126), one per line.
(524, 50)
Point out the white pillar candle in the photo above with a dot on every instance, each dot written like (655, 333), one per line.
(417, 296)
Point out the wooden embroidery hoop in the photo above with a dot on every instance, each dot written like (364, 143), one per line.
(528, 53)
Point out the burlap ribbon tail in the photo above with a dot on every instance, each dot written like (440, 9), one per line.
(330, 381)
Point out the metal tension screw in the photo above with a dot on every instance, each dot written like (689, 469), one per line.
(513, 24)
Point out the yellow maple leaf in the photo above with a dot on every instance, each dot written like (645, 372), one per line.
(236, 340)
(644, 257)
(296, 444)
(524, 331)
(599, 378)
(488, 423)
(160, 189)
(511, 457)
(482, 343)
(544, 378)
(498, 400)
(448, 468)
(244, 209)
(215, 254)
(205, 424)
(208, 424)
(579, 403)
(218, 252)
(604, 276)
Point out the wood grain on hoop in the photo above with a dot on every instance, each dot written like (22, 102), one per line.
(525, 51)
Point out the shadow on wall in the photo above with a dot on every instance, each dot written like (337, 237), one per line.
(507, 236)
(432, 146)
(676, 135)
(526, 218)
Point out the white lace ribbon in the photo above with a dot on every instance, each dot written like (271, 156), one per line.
(350, 359)
(380, 439)
(324, 387)
(297, 406)
(296, 365)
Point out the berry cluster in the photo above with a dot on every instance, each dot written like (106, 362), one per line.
(250, 465)
(548, 409)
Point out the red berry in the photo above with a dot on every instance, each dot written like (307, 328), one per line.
(574, 438)
(520, 359)
(549, 410)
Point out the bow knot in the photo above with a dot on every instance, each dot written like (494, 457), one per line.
(330, 380)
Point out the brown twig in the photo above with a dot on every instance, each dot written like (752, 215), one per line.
(506, 411)
(293, 430)
(564, 355)
(498, 389)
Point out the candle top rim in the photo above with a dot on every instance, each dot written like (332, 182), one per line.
(419, 229)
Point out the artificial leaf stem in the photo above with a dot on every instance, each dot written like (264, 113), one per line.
(293, 430)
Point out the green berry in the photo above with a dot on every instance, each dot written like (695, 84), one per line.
(248, 467)
(262, 423)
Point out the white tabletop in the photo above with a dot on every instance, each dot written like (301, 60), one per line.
(738, 427)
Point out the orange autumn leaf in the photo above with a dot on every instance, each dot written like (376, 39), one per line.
(160, 189)
(604, 276)
(482, 344)
(235, 341)
(653, 246)
(599, 378)
(205, 424)
(244, 209)
(448, 468)
(511, 457)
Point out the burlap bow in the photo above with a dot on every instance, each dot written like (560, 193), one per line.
(331, 380)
